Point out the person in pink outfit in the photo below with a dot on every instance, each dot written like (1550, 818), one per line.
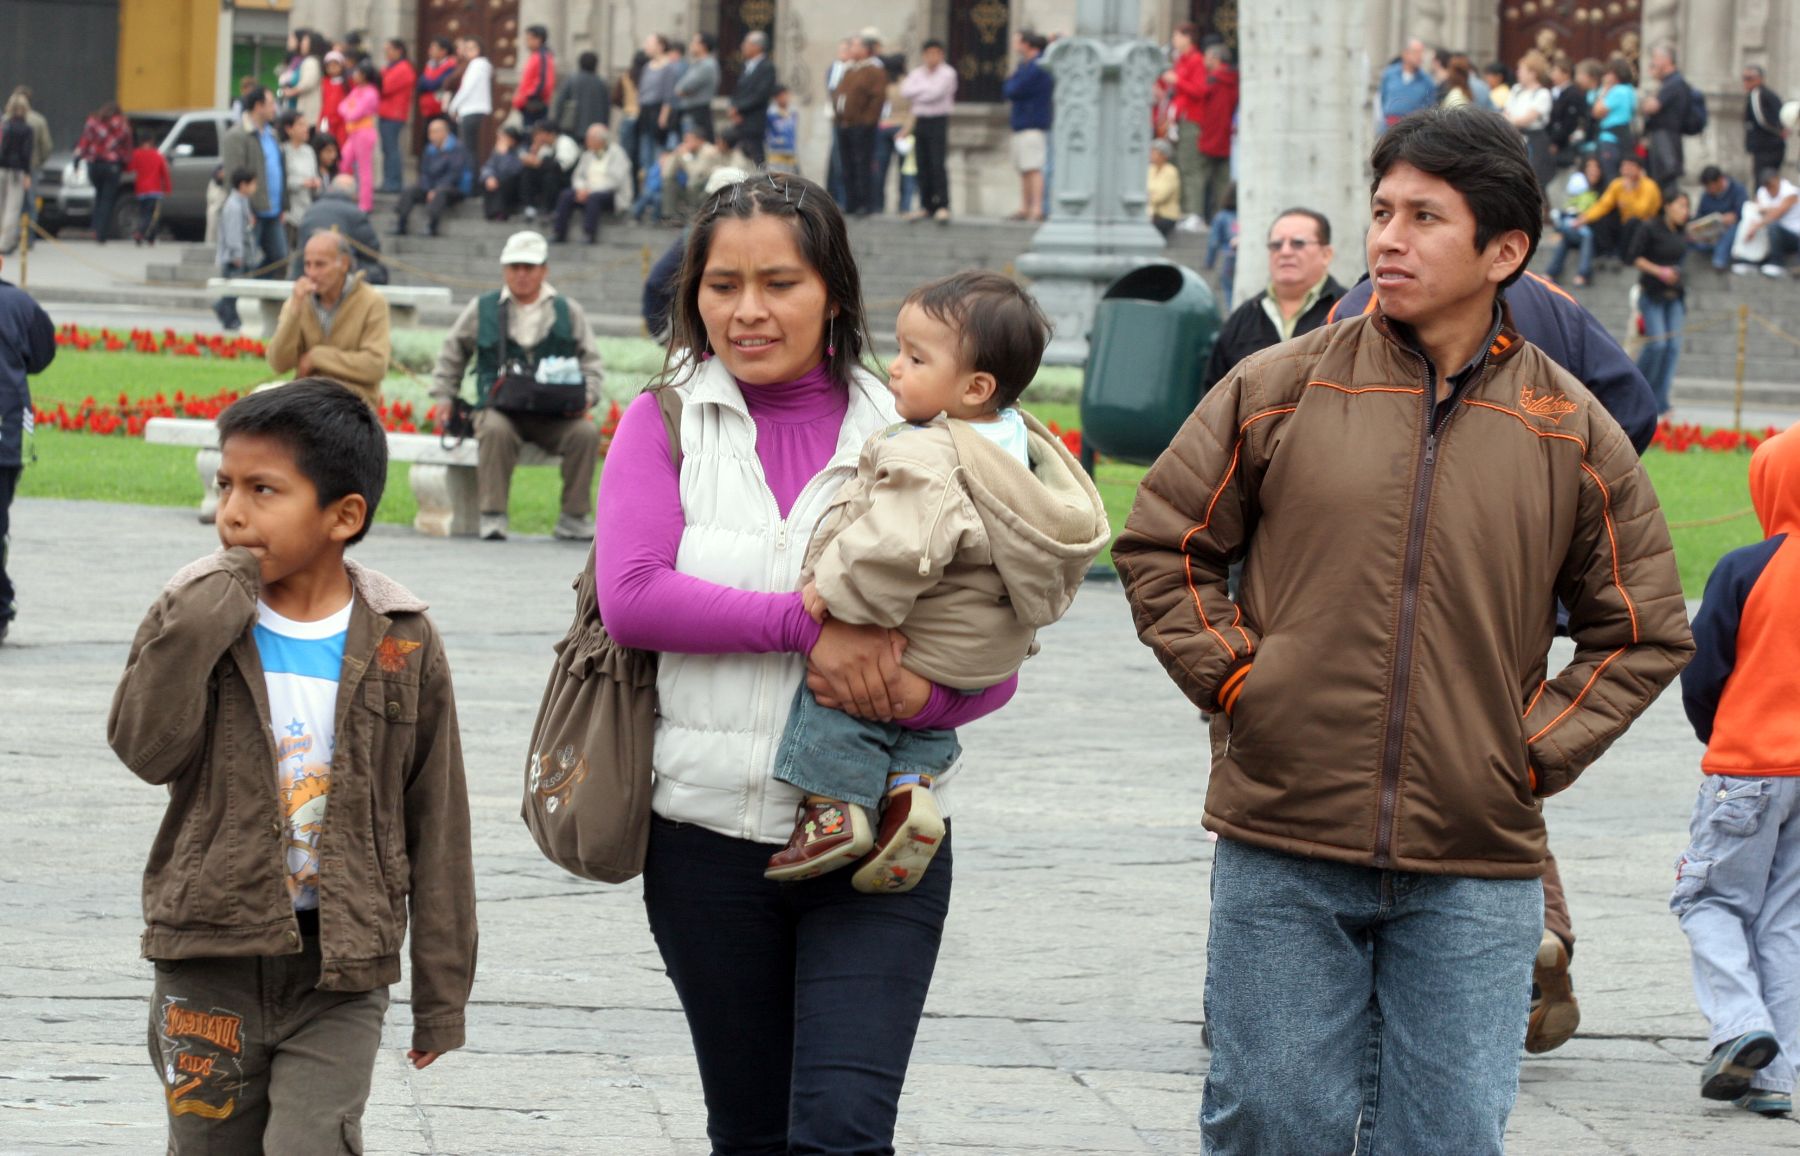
(357, 112)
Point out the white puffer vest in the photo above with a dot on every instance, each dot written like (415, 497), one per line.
(722, 715)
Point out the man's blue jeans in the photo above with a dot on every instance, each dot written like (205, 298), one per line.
(393, 162)
(271, 239)
(1318, 972)
(1582, 235)
(1719, 252)
(1662, 346)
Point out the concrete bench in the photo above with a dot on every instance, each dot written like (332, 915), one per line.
(403, 300)
(443, 480)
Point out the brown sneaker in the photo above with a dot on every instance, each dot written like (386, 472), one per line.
(911, 830)
(1554, 1013)
(827, 835)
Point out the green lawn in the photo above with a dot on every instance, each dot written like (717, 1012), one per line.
(1693, 487)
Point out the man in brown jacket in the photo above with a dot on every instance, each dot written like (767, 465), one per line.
(334, 325)
(860, 95)
(1413, 490)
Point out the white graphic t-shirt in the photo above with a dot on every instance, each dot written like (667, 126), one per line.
(301, 662)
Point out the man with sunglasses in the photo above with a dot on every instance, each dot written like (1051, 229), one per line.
(1299, 298)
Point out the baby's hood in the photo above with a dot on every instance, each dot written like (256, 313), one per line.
(1775, 483)
(1044, 525)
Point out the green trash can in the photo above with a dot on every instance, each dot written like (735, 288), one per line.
(1153, 331)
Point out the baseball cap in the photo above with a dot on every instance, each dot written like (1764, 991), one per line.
(525, 248)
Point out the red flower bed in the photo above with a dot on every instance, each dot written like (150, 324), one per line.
(144, 341)
(1070, 438)
(129, 417)
(1679, 439)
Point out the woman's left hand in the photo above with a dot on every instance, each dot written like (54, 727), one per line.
(914, 689)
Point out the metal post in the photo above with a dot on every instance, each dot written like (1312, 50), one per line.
(24, 249)
(1737, 391)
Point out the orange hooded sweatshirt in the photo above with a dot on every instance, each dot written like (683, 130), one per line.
(1742, 689)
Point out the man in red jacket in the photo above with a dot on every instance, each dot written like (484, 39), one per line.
(1218, 106)
(1187, 82)
(397, 82)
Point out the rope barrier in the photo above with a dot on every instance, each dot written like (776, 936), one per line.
(75, 255)
(1697, 523)
(1773, 329)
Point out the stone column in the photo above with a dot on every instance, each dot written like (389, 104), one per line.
(1099, 228)
(1319, 159)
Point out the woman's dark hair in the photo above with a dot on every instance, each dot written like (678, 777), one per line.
(662, 42)
(445, 43)
(707, 41)
(539, 31)
(396, 42)
(1481, 156)
(818, 229)
(337, 441)
(1457, 77)
(999, 328)
(1500, 70)
(1190, 30)
(285, 122)
(640, 60)
(108, 110)
(322, 141)
(1622, 70)
(365, 72)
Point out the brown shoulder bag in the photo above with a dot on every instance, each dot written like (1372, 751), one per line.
(587, 774)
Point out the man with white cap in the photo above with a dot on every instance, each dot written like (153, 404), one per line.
(537, 373)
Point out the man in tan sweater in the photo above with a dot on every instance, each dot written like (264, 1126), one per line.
(334, 325)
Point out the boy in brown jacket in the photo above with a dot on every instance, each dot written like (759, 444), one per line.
(1412, 492)
(967, 527)
(299, 709)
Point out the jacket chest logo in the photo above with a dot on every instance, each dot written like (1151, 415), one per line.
(1553, 407)
(391, 654)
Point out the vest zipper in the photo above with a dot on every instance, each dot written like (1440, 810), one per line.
(1400, 683)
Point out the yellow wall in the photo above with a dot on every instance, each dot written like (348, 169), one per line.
(168, 53)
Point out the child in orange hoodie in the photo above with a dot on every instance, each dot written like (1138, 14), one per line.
(1737, 886)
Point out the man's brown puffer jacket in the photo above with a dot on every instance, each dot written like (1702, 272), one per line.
(1385, 673)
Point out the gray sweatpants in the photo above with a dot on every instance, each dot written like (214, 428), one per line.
(1737, 894)
(252, 1057)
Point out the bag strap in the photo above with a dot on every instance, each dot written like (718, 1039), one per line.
(670, 403)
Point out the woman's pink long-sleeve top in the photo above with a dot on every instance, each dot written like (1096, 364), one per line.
(646, 603)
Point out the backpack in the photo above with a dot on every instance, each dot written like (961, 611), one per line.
(1693, 115)
(16, 141)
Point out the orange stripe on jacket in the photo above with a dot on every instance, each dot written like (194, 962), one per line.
(1187, 561)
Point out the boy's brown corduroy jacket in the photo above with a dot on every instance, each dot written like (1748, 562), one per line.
(192, 713)
(1385, 675)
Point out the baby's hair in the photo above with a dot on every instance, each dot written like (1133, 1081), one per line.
(336, 439)
(999, 328)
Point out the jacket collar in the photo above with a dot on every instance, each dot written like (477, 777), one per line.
(1503, 341)
(375, 590)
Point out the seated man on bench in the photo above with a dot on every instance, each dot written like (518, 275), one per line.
(334, 325)
(537, 373)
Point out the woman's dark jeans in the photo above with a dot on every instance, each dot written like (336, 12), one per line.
(803, 998)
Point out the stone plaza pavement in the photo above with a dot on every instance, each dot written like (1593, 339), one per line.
(1065, 1017)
